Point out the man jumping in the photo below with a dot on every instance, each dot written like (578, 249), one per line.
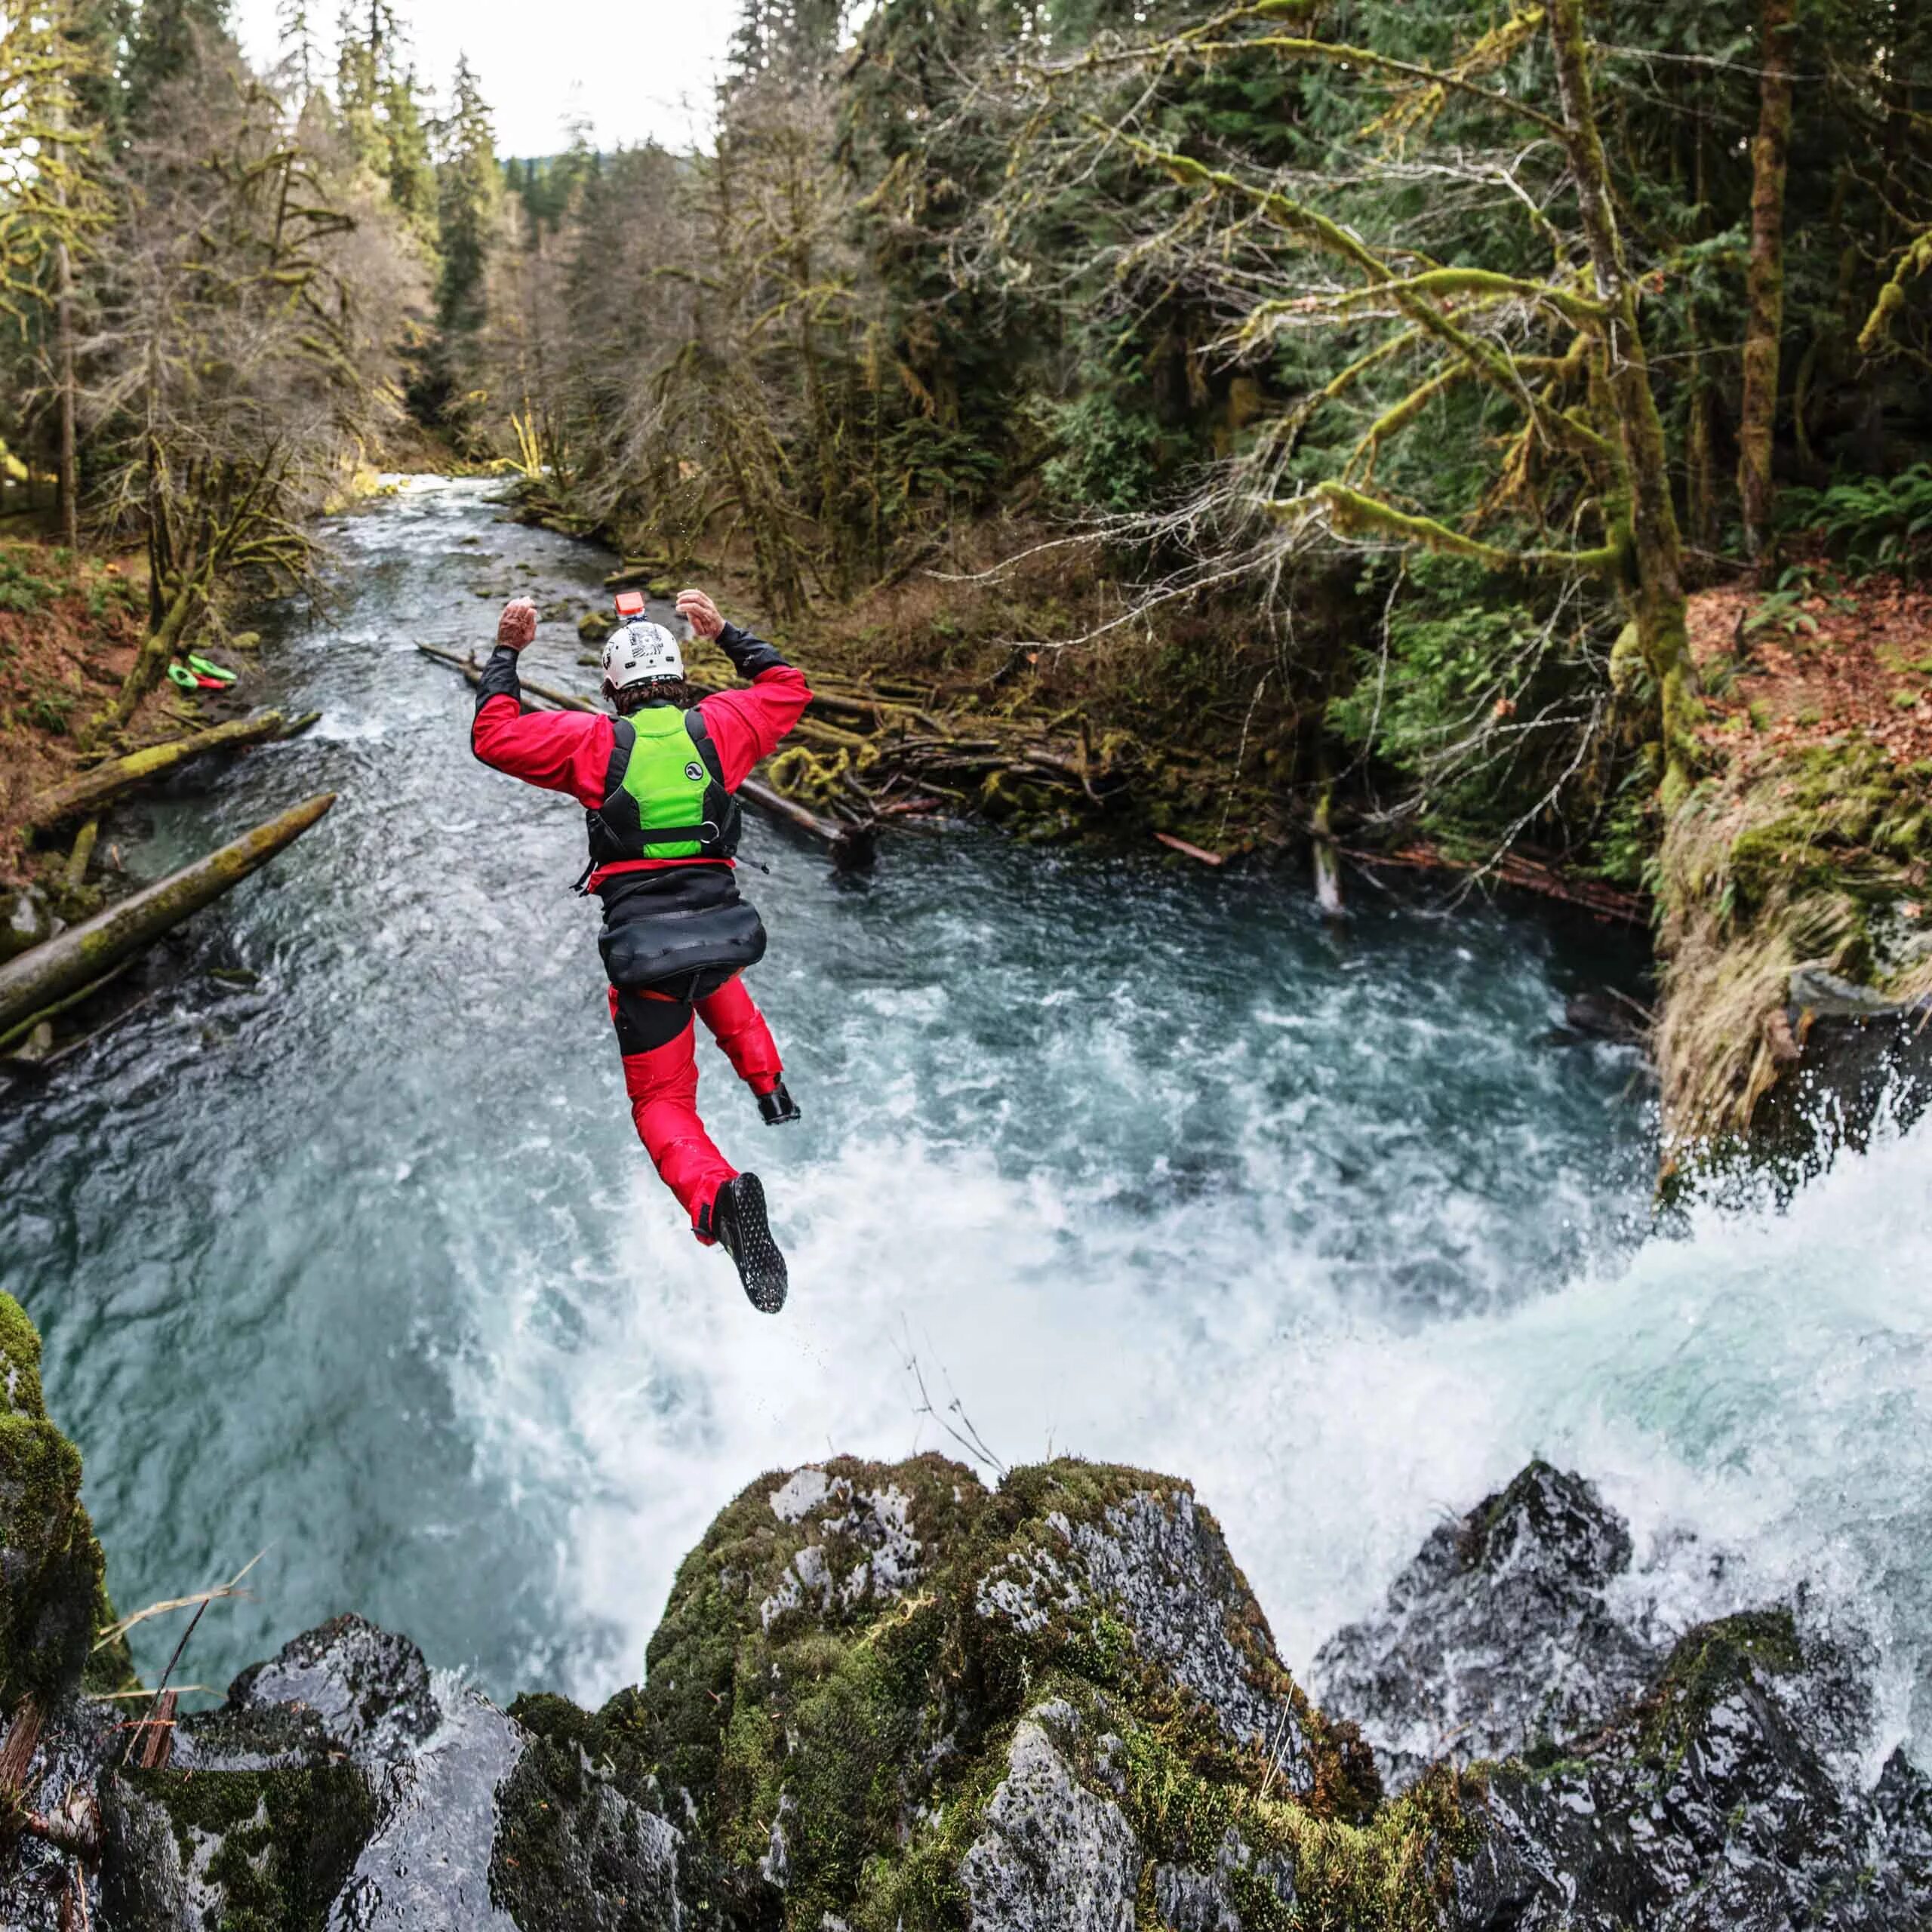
(656, 782)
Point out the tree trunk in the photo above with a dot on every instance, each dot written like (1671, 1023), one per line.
(84, 796)
(67, 466)
(63, 338)
(85, 953)
(1763, 325)
(1655, 575)
(161, 644)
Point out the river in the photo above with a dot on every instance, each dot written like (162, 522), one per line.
(361, 1264)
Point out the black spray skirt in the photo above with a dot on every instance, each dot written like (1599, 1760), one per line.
(671, 924)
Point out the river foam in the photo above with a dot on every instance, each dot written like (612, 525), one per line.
(1759, 1381)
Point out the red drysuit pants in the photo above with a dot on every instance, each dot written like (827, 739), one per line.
(662, 1082)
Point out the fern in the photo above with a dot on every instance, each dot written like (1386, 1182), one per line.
(1872, 522)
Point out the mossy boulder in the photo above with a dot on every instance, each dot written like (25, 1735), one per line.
(594, 626)
(886, 1698)
(26, 921)
(582, 1845)
(333, 1786)
(53, 1587)
(246, 1851)
(1796, 866)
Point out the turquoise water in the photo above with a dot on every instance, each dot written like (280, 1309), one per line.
(363, 1265)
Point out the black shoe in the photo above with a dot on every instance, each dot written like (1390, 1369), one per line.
(739, 1227)
(777, 1107)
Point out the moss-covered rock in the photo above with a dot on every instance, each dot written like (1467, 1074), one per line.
(245, 1851)
(1793, 862)
(886, 1698)
(53, 1588)
(26, 920)
(1711, 1662)
(1703, 1785)
(1500, 1636)
(582, 1845)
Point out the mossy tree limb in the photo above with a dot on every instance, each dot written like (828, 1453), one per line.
(1915, 261)
(1353, 512)
(1763, 325)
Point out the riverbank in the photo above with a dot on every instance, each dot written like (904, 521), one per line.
(70, 627)
(1794, 886)
(77, 926)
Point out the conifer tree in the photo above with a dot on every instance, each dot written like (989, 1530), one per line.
(411, 172)
(50, 209)
(469, 207)
(301, 53)
(168, 39)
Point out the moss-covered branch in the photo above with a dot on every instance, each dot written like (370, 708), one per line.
(1915, 262)
(1292, 46)
(1444, 282)
(1353, 512)
(1412, 296)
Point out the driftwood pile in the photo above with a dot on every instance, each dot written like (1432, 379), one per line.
(869, 755)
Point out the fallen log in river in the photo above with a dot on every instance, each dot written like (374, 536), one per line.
(84, 797)
(49, 975)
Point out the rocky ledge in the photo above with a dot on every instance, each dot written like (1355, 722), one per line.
(885, 1697)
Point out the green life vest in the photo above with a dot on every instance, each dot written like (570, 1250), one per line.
(664, 795)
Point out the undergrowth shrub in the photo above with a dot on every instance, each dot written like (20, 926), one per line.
(20, 590)
(1872, 522)
(1498, 714)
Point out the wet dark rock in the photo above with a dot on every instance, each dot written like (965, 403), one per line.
(427, 1862)
(1729, 1796)
(1714, 1784)
(74, 1738)
(332, 1787)
(1498, 1638)
(370, 1690)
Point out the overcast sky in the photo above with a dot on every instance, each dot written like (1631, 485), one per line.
(633, 69)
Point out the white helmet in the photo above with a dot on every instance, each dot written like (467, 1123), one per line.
(641, 653)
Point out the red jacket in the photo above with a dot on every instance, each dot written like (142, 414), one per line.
(570, 751)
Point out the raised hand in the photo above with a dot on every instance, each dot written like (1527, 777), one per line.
(698, 610)
(517, 625)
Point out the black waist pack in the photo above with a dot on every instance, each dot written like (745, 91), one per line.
(645, 950)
